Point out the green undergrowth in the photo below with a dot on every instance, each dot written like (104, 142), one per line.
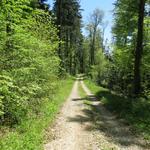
(135, 111)
(29, 135)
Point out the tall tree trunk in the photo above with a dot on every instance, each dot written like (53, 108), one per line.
(59, 23)
(90, 50)
(139, 49)
(93, 47)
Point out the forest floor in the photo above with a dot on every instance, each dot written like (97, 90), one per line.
(84, 124)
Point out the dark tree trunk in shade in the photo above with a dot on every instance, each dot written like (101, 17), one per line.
(59, 23)
(139, 49)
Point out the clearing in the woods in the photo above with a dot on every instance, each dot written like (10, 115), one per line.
(84, 124)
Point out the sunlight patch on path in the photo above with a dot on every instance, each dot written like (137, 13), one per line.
(70, 134)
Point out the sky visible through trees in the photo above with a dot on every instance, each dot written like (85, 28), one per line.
(89, 5)
(43, 49)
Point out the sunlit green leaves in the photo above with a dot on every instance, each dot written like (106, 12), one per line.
(29, 64)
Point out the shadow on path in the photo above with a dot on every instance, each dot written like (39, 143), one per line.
(103, 121)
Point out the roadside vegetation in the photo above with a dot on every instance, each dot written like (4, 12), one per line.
(134, 112)
(40, 47)
(30, 133)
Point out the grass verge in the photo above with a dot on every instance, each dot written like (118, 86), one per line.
(135, 111)
(83, 95)
(29, 135)
(81, 91)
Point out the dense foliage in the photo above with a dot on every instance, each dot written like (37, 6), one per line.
(29, 64)
(124, 70)
(68, 20)
(38, 46)
(32, 132)
(126, 67)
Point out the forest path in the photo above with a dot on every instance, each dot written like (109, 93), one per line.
(84, 124)
(69, 134)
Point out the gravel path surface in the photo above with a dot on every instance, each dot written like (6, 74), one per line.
(89, 126)
(70, 134)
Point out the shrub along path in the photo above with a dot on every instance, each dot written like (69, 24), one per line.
(84, 124)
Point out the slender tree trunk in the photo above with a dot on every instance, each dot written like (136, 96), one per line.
(82, 63)
(93, 47)
(90, 50)
(67, 51)
(70, 64)
(59, 22)
(139, 49)
(93, 53)
(71, 55)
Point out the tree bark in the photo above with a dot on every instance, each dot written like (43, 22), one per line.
(139, 49)
(59, 23)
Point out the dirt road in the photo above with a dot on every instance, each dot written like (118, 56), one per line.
(81, 126)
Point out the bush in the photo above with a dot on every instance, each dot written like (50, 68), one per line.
(29, 64)
(13, 104)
